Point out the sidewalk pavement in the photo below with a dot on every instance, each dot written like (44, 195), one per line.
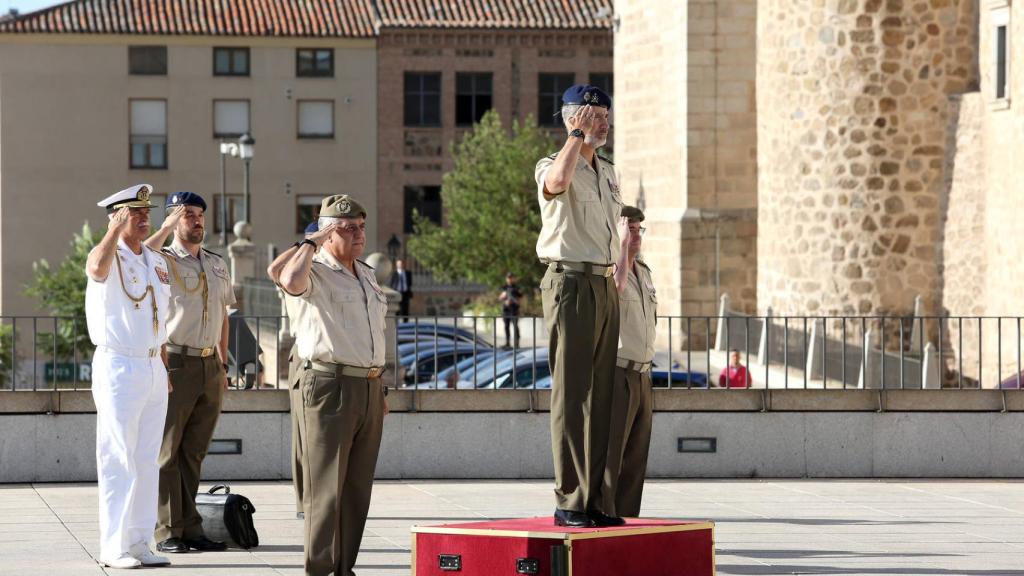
(950, 527)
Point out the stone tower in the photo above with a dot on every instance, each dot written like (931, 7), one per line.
(854, 114)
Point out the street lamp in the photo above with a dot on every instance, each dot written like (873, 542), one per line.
(394, 245)
(226, 149)
(246, 146)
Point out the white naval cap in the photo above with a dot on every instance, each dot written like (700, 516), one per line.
(133, 197)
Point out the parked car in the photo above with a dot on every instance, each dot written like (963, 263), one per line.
(466, 368)
(659, 379)
(423, 365)
(680, 379)
(429, 329)
(519, 371)
(421, 345)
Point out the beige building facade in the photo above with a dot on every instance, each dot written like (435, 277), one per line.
(71, 110)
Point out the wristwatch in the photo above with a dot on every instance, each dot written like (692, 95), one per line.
(577, 133)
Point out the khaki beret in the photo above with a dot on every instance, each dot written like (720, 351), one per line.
(341, 206)
(633, 213)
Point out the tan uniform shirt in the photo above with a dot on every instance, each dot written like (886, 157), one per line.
(638, 305)
(580, 225)
(185, 323)
(340, 318)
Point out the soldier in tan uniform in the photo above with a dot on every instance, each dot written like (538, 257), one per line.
(632, 402)
(197, 345)
(294, 392)
(580, 203)
(340, 312)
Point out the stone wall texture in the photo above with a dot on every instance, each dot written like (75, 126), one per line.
(687, 147)
(853, 105)
(883, 167)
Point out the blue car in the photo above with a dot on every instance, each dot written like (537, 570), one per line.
(659, 379)
(424, 365)
(470, 366)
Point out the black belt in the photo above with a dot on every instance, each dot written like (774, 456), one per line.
(605, 270)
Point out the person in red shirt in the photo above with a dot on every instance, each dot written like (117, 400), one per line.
(735, 375)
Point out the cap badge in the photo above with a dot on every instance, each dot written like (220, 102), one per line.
(143, 194)
(344, 206)
(590, 97)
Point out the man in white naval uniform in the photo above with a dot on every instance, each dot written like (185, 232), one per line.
(126, 303)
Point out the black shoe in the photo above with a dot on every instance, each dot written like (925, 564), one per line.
(602, 519)
(172, 545)
(204, 544)
(572, 519)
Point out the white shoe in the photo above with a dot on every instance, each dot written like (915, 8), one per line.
(124, 561)
(143, 554)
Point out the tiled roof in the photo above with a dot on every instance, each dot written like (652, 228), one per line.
(305, 18)
(587, 14)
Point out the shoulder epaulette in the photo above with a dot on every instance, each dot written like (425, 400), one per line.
(365, 264)
(553, 156)
(212, 253)
(605, 160)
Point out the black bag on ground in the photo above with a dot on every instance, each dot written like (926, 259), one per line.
(227, 517)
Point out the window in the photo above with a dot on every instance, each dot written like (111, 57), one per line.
(235, 202)
(604, 81)
(147, 60)
(230, 61)
(314, 62)
(230, 118)
(550, 88)
(422, 98)
(423, 200)
(148, 137)
(1001, 52)
(307, 210)
(473, 94)
(316, 118)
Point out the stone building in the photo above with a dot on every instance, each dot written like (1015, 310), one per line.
(873, 161)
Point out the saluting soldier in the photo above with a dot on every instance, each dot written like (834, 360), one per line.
(294, 392)
(340, 313)
(126, 301)
(196, 363)
(632, 402)
(580, 203)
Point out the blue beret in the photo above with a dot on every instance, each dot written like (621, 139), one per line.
(185, 199)
(586, 94)
(312, 227)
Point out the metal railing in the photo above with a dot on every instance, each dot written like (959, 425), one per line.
(826, 352)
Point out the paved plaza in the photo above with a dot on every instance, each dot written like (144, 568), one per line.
(967, 528)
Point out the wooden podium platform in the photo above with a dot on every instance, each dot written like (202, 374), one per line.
(535, 546)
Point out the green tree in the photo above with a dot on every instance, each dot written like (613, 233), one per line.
(61, 291)
(490, 202)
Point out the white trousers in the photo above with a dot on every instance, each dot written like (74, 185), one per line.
(131, 405)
